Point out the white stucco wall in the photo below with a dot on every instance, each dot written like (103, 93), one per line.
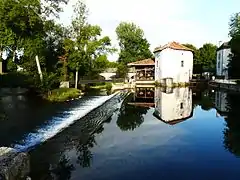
(222, 61)
(168, 65)
(175, 105)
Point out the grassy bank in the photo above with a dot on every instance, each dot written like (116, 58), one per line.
(63, 94)
(107, 86)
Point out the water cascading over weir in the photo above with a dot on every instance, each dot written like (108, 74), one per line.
(15, 161)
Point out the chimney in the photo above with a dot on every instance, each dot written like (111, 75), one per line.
(219, 43)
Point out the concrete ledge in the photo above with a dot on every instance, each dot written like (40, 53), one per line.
(13, 165)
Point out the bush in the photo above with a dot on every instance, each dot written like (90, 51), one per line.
(63, 94)
(108, 88)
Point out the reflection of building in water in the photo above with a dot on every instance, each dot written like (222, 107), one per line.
(173, 105)
(221, 102)
(143, 96)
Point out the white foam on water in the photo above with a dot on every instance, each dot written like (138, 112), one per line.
(57, 124)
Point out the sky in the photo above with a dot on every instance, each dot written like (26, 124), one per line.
(184, 21)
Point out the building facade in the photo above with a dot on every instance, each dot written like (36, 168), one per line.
(143, 71)
(223, 53)
(173, 61)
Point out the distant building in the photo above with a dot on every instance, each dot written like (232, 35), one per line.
(142, 71)
(173, 105)
(109, 73)
(173, 61)
(223, 53)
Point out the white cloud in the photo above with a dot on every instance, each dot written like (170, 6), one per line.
(161, 20)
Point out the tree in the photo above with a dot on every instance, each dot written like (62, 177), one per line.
(234, 33)
(89, 49)
(133, 45)
(112, 64)
(208, 57)
(122, 70)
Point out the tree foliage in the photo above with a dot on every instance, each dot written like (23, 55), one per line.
(204, 58)
(208, 57)
(89, 50)
(234, 33)
(27, 28)
(133, 45)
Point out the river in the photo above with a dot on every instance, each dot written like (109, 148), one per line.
(151, 133)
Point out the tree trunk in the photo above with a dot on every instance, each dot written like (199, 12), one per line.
(39, 68)
(14, 53)
(65, 70)
(1, 52)
(76, 79)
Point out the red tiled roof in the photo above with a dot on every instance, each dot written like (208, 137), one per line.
(173, 45)
(142, 62)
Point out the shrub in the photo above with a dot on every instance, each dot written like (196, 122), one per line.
(109, 88)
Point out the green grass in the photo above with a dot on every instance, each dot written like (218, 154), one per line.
(63, 94)
(98, 87)
(107, 86)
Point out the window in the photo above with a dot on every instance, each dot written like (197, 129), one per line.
(181, 105)
(218, 64)
(219, 56)
(157, 62)
(182, 63)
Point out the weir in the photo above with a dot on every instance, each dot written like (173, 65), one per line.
(54, 126)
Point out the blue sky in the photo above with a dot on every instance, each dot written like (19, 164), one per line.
(184, 21)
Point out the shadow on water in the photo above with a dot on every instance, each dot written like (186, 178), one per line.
(53, 159)
(231, 113)
(227, 106)
(130, 116)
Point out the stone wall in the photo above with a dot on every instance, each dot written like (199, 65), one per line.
(13, 165)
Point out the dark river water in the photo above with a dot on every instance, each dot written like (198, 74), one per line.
(151, 133)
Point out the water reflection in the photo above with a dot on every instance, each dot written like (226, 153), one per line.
(53, 160)
(231, 107)
(173, 105)
(131, 115)
(228, 107)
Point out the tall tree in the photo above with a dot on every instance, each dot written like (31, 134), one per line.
(207, 57)
(89, 48)
(234, 33)
(133, 45)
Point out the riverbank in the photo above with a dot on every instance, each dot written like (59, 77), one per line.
(232, 85)
(63, 94)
